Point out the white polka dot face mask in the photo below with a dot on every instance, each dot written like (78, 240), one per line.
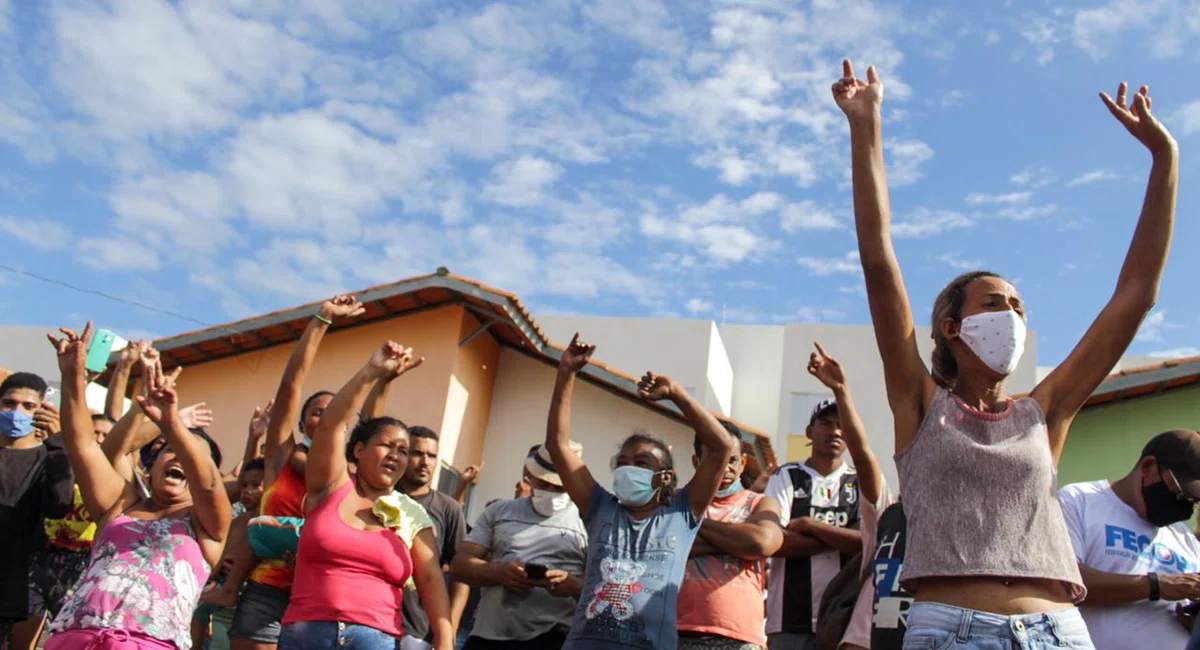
(996, 337)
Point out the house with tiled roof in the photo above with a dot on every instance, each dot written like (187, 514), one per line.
(1131, 406)
(485, 384)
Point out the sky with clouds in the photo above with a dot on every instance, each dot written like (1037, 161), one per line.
(223, 158)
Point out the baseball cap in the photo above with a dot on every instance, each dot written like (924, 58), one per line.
(540, 467)
(823, 408)
(1179, 451)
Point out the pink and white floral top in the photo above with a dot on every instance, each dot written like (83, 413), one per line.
(145, 576)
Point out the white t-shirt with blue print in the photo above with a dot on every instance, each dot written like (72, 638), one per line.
(634, 570)
(1109, 536)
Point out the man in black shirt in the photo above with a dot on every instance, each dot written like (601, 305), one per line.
(449, 526)
(35, 483)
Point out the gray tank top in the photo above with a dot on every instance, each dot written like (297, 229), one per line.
(980, 491)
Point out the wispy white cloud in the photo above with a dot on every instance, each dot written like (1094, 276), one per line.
(953, 99)
(1041, 34)
(1026, 212)
(907, 157)
(823, 266)
(807, 215)
(42, 234)
(1096, 30)
(1034, 177)
(924, 222)
(1177, 353)
(724, 230)
(1188, 117)
(1155, 325)
(955, 262)
(697, 306)
(522, 182)
(1010, 198)
(117, 254)
(1094, 176)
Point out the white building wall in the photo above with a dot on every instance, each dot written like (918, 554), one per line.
(600, 420)
(755, 356)
(720, 374)
(676, 348)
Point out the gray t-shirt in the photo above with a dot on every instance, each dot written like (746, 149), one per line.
(513, 532)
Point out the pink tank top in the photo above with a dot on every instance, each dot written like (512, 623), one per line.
(145, 577)
(348, 575)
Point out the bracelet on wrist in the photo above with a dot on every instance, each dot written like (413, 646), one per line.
(321, 318)
(1155, 586)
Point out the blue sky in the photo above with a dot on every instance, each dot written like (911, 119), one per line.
(223, 158)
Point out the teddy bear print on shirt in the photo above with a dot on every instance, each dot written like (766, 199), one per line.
(617, 588)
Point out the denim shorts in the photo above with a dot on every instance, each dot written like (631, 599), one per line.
(260, 608)
(322, 635)
(933, 626)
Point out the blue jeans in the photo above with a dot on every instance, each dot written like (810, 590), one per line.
(933, 626)
(335, 636)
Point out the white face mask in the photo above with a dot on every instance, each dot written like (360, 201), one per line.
(546, 503)
(996, 337)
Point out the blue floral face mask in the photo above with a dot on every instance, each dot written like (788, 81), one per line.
(16, 423)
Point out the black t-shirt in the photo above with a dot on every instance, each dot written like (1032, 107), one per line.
(450, 528)
(35, 484)
(891, 602)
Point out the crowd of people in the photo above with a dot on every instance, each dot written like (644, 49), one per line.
(120, 531)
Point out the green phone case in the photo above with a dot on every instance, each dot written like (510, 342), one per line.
(100, 350)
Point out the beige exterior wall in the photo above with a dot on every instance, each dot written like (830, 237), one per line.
(233, 386)
(469, 395)
(600, 421)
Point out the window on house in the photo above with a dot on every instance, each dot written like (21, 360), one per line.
(449, 482)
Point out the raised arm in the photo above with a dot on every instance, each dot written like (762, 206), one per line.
(909, 385)
(576, 477)
(99, 484)
(470, 477)
(278, 442)
(211, 509)
(327, 458)
(828, 371)
(707, 480)
(1064, 391)
(256, 431)
(118, 384)
(376, 404)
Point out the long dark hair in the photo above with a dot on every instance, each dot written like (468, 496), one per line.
(949, 304)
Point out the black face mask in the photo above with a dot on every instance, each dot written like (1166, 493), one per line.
(1163, 507)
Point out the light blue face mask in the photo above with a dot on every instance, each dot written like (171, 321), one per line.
(634, 485)
(733, 489)
(16, 423)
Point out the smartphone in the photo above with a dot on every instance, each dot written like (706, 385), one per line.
(100, 350)
(536, 571)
